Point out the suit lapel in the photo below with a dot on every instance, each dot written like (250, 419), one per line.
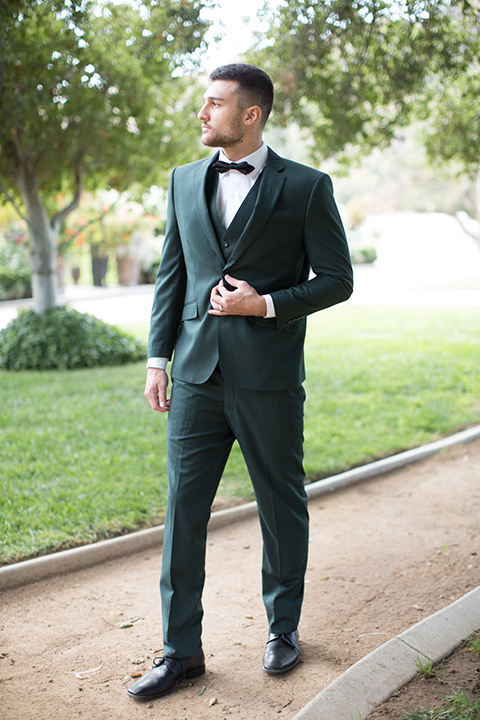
(199, 182)
(271, 184)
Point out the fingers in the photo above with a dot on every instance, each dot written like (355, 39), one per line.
(216, 296)
(156, 390)
(242, 299)
(218, 299)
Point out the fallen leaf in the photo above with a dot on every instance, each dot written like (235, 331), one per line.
(129, 623)
(202, 690)
(85, 672)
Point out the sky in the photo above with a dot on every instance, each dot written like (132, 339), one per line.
(234, 20)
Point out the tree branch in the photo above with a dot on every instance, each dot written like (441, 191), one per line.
(92, 222)
(59, 217)
(12, 201)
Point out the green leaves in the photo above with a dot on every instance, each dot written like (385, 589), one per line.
(64, 339)
(353, 73)
(90, 97)
(96, 81)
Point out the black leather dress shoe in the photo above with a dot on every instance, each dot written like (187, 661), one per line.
(281, 653)
(165, 676)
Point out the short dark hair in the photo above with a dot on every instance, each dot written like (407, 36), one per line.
(255, 86)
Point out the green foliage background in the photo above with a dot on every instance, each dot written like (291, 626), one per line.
(351, 74)
(92, 89)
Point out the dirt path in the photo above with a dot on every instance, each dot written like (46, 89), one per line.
(384, 554)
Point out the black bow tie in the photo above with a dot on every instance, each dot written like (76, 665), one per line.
(242, 167)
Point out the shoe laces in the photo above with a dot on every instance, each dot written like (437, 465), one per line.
(286, 638)
(170, 662)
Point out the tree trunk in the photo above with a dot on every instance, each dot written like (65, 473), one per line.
(43, 248)
(472, 225)
(43, 253)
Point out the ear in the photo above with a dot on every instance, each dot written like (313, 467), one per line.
(252, 115)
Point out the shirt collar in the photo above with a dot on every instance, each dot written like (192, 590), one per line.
(258, 159)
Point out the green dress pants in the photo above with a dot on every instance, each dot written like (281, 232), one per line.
(204, 421)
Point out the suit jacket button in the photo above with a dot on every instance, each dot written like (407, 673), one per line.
(225, 244)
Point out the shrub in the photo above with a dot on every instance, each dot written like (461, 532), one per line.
(63, 338)
(363, 255)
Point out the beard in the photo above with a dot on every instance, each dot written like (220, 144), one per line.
(224, 139)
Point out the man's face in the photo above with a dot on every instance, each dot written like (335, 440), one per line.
(222, 119)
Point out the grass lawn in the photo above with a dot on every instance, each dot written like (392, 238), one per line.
(82, 456)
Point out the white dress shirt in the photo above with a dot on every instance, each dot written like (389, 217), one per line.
(233, 187)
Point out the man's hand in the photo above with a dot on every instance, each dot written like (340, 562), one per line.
(156, 389)
(244, 300)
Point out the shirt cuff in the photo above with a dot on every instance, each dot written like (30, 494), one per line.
(270, 307)
(157, 362)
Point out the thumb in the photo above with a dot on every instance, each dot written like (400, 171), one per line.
(232, 281)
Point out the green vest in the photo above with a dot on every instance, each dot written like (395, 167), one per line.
(227, 238)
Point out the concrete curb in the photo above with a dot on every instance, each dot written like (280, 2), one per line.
(390, 463)
(374, 678)
(85, 556)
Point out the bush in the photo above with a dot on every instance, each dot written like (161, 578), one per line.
(63, 339)
(363, 255)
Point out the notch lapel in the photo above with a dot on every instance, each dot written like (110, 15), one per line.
(199, 182)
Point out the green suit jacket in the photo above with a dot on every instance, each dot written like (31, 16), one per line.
(295, 228)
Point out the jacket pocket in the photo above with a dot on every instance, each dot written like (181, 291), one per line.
(190, 311)
(297, 327)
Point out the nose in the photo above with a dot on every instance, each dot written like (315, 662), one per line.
(202, 113)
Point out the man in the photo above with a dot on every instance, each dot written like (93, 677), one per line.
(232, 293)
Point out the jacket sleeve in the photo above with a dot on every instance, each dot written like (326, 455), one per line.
(170, 287)
(329, 258)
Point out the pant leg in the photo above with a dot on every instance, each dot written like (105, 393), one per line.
(199, 441)
(269, 429)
